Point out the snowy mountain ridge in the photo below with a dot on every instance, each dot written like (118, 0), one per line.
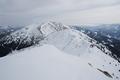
(50, 58)
(28, 36)
(57, 34)
(36, 31)
(49, 63)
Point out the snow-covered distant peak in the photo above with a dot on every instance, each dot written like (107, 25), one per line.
(50, 27)
(46, 28)
(36, 31)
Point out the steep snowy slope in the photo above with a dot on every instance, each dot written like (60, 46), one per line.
(63, 36)
(87, 59)
(74, 42)
(49, 63)
(28, 36)
(105, 34)
(35, 31)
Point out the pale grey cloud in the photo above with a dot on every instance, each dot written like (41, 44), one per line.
(101, 15)
(24, 5)
(24, 12)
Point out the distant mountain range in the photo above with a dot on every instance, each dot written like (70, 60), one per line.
(107, 34)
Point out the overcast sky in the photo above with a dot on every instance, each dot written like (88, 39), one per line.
(25, 12)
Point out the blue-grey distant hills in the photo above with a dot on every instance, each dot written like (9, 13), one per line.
(107, 34)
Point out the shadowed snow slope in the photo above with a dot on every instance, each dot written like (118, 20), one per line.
(48, 63)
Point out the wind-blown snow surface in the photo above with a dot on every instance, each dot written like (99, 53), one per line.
(52, 60)
(49, 63)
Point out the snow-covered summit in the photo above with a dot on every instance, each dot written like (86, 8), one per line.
(28, 36)
(36, 31)
(50, 60)
(45, 28)
(50, 27)
(61, 36)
